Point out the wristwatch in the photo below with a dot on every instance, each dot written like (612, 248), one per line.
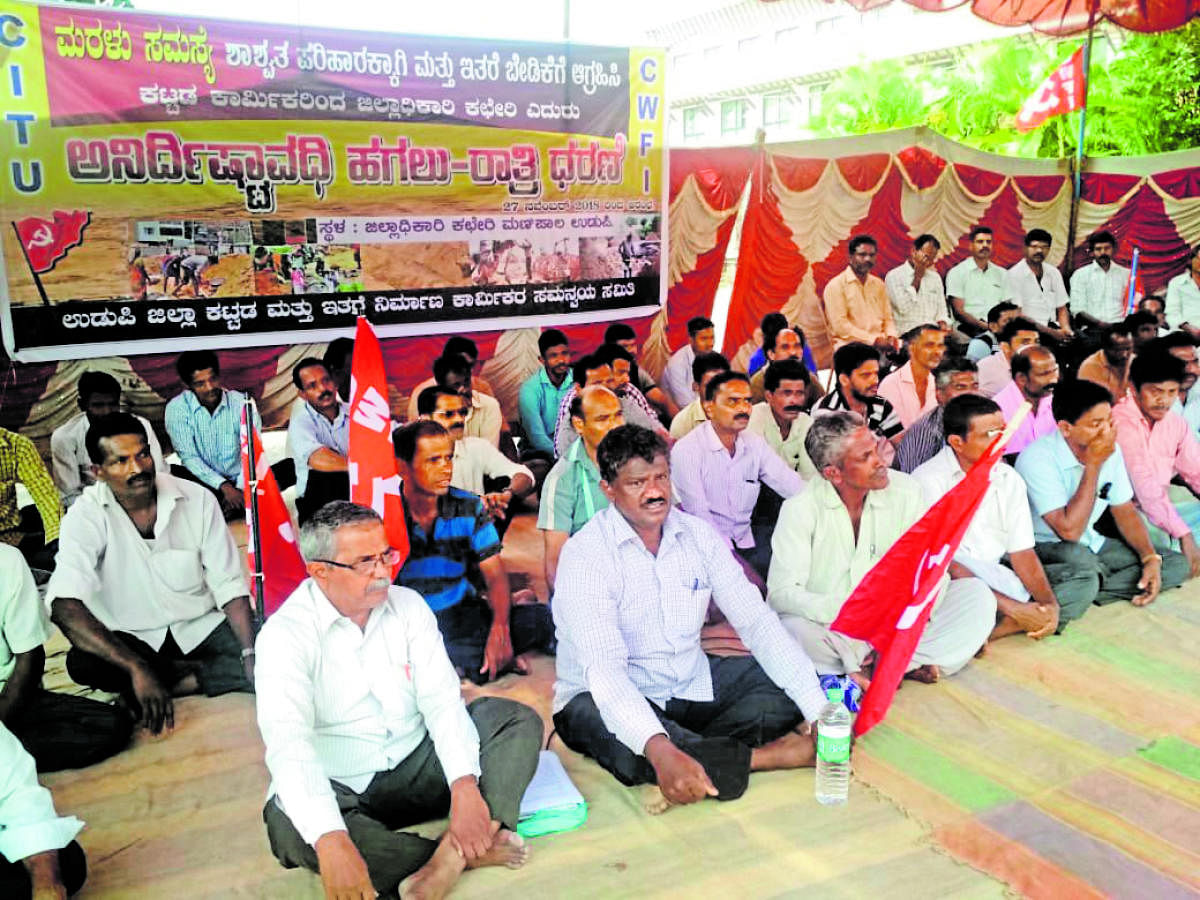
(247, 653)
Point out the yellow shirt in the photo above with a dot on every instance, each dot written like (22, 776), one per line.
(857, 311)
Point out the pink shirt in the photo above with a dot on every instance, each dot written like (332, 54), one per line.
(900, 390)
(1038, 423)
(1152, 457)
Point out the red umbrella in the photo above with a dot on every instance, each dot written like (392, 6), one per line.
(1062, 17)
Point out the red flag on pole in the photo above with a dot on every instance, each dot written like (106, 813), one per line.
(1061, 92)
(282, 566)
(46, 241)
(890, 606)
(374, 481)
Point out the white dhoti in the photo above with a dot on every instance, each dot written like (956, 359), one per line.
(959, 625)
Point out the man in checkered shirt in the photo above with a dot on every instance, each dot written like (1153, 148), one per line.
(635, 691)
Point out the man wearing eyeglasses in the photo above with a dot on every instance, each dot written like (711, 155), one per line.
(366, 732)
(1001, 529)
(454, 562)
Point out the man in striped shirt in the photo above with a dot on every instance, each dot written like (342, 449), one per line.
(856, 366)
(454, 562)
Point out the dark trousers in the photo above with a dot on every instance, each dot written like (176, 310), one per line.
(65, 732)
(72, 870)
(216, 662)
(320, 489)
(762, 526)
(747, 711)
(415, 791)
(465, 627)
(1080, 577)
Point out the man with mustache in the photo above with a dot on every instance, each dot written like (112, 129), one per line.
(975, 285)
(915, 289)
(366, 732)
(832, 534)
(782, 419)
(857, 369)
(635, 690)
(611, 366)
(955, 375)
(995, 372)
(1100, 290)
(1183, 348)
(148, 585)
(718, 470)
(676, 377)
(910, 388)
(704, 369)
(454, 562)
(1159, 447)
(780, 344)
(1109, 366)
(1035, 376)
(1039, 289)
(1183, 297)
(543, 392)
(318, 438)
(1072, 476)
(856, 302)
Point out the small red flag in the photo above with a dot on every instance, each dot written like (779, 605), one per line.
(47, 241)
(374, 481)
(282, 565)
(890, 606)
(1061, 92)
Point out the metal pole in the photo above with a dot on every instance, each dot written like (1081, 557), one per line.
(36, 279)
(566, 21)
(1077, 193)
(248, 410)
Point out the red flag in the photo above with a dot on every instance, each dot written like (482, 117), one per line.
(282, 566)
(1061, 92)
(890, 606)
(374, 481)
(46, 241)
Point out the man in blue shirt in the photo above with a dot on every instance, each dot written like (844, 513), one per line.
(454, 563)
(1073, 475)
(542, 394)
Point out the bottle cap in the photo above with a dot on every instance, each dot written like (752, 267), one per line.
(835, 695)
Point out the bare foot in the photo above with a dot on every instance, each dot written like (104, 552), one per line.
(654, 801)
(508, 849)
(523, 597)
(434, 879)
(792, 751)
(928, 674)
(861, 679)
(522, 665)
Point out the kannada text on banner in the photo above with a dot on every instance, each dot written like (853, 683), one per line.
(176, 179)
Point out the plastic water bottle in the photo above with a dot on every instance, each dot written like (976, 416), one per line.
(833, 750)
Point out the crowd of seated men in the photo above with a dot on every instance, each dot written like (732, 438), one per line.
(699, 537)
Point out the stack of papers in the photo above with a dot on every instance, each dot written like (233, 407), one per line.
(551, 802)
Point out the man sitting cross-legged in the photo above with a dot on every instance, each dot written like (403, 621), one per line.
(832, 534)
(366, 732)
(635, 690)
(148, 586)
(1001, 527)
(454, 562)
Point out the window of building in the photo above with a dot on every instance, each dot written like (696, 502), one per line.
(830, 25)
(787, 37)
(711, 55)
(693, 121)
(749, 46)
(776, 109)
(816, 97)
(733, 115)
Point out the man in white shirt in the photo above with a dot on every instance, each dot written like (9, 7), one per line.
(1039, 289)
(995, 371)
(635, 690)
(38, 853)
(676, 378)
(99, 396)
(832, 534)
(148, 586)
(1001, 530)
(1100, 290)
(705, 367)
(366, 732)
(1183, 297)
(915, 290)
(318, 438)
(484, 418)
(975, 285)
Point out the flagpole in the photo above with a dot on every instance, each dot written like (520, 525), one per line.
(1077, 192)
(36, 278)
(248, 410)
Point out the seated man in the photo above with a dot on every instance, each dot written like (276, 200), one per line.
(366, 730)
(20, 462)
(484, 419)
(635, 408)
(339, 362)
(704, 368)
(1001, 530)
(1039, 289)
(456, 345)
(454, 557)
(857, 369)
(205, 425)
(718, 469)
(856, 302)
(987, 342)
(571, 494)
(915, 290)
(1144, 327)
(318, 438)
(623, 335)
(1109, 366)
(976, 284)
(60, 731)
(39, 857)
(995, 372)
(955, 375)
(831, 535)
(676, 378)
(1183, 297)
(99, 395)
(1159, 448)
(586, 372)
(780, 344)
(781, 419)
(1155, 303)
(1072, 476)
(1180, 345)
(148, 586)
(542, 393)
(477, 464)
(635, 691)
(910, 388)
(1099, 290)
(1035, 377)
